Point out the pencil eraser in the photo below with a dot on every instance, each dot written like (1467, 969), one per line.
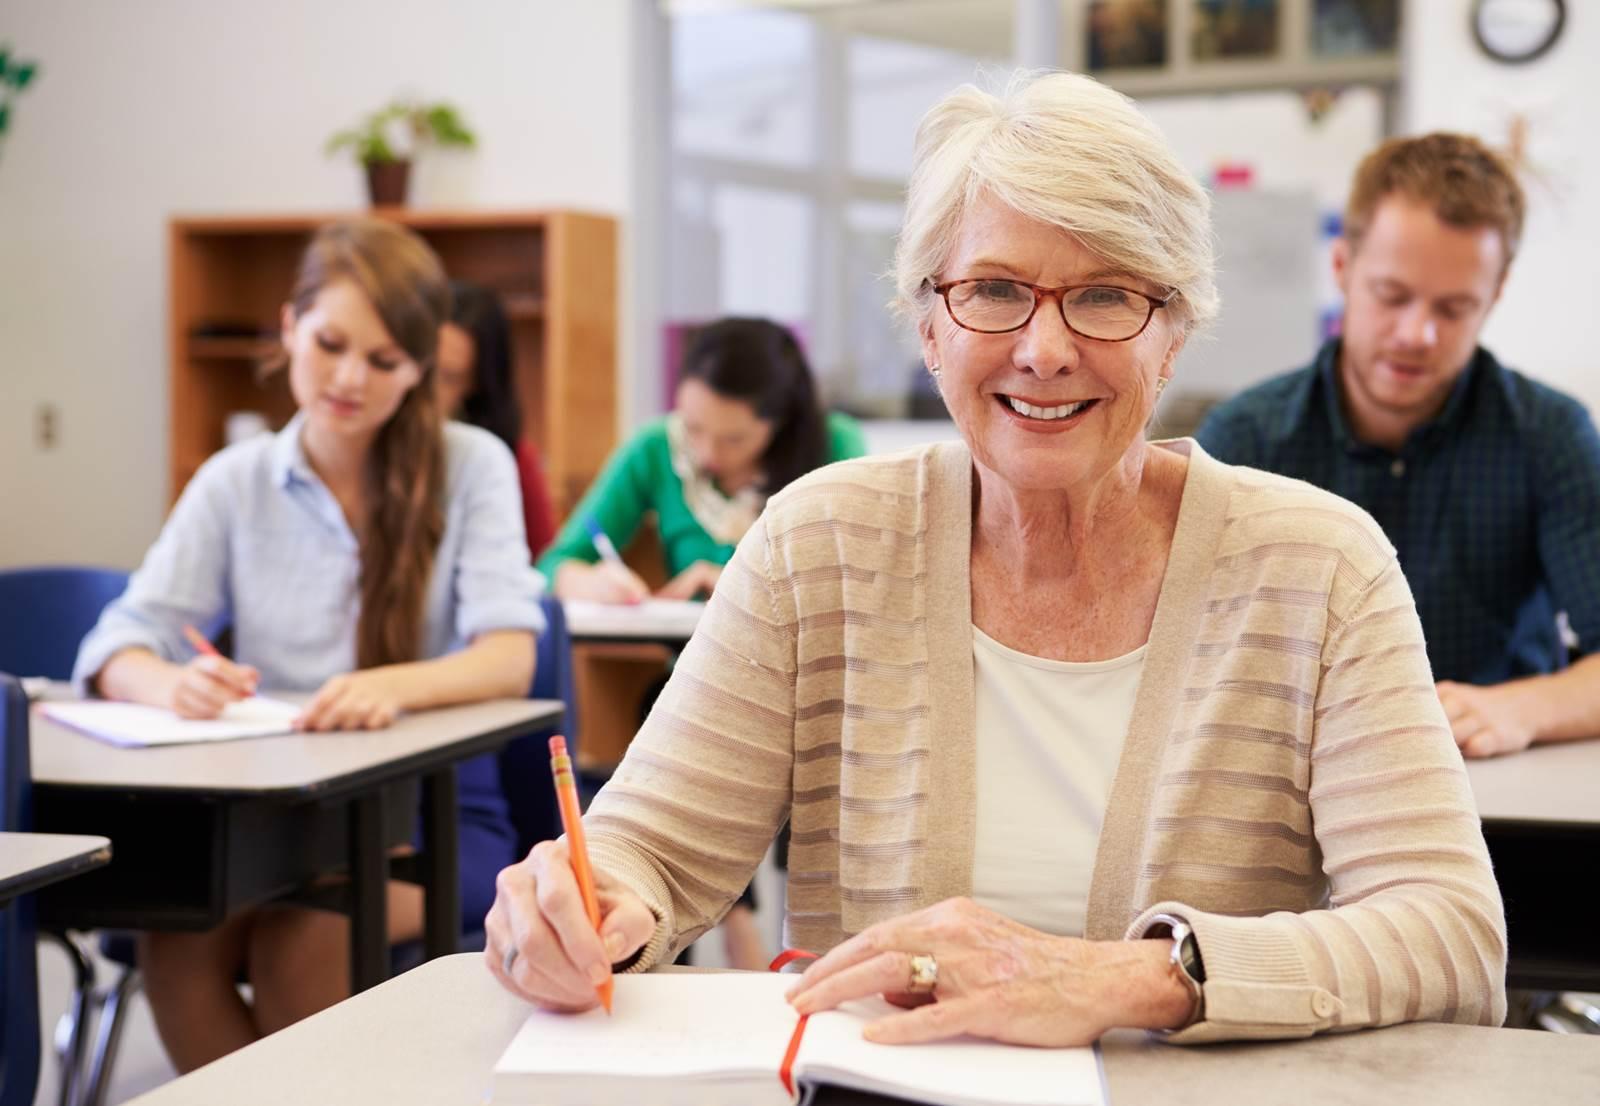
(558, 746)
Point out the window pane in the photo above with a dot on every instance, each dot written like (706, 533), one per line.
(741, 86)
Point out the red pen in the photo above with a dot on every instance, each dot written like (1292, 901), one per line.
(201, 645)
(198, 640)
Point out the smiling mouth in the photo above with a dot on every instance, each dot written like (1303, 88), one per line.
(1046, 414)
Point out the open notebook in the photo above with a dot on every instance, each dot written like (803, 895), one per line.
(130, 724)
(713, 1039)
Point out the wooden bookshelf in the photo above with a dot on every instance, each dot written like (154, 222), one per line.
(556, 272)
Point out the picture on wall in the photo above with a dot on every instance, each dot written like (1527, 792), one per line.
(1234, 29)
(1126, 34)
(1342, 28)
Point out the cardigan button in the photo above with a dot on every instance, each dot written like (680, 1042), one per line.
(1323, 1005)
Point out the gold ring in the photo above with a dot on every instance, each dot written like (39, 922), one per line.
(924, 974)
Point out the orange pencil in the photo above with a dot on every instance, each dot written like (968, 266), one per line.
(572, 822)
(198, 640)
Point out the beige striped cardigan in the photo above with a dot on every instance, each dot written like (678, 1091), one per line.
(1289, 784)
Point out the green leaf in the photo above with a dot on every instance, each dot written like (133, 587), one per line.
(22, 74)
(339, 141)
(5, 117)
(447, 127)
(5, 55)
(375, 148)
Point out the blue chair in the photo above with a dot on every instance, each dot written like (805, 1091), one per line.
(19, 993)
(44, 614)
(47, 611)
(525, 763)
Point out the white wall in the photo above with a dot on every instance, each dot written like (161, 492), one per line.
(141, 111)
(1541, 325)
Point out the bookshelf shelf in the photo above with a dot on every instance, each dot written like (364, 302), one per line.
(556, 272)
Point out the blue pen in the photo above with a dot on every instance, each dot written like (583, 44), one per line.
(602, 543)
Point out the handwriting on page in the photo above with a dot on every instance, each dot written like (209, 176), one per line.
(723, 1025)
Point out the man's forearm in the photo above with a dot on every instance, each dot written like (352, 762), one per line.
(1564, 706)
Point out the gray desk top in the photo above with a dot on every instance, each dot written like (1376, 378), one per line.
(291, 763)
(432, 1036)
(29, 861)
(1548, 783)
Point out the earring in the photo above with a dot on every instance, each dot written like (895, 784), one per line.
(1161, 385)
(934, 369)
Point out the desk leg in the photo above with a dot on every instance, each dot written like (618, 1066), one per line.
(369, 927)
(441, 877)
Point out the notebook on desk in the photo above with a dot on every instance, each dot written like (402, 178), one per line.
(722, 1039)
(672, 619)
(134, 726)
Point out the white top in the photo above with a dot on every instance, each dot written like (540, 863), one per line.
(1050, 734)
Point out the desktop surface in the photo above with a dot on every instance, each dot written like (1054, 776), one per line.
(286, 763)
(29, 861)
(433, 1035)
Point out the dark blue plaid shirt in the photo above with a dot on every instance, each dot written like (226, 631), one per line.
(1494, 506)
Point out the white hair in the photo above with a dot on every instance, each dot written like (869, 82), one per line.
(1068, 151)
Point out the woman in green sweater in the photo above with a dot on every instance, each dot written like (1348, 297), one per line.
(745, 424)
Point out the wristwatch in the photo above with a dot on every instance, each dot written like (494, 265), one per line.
(1185, 959)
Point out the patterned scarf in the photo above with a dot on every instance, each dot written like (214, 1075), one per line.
(724, 517)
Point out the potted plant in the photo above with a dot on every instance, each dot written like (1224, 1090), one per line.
(15, 74)
(387, 139)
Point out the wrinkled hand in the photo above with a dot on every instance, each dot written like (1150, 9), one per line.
(367, 700)
(1485, 721)
(699, 578)
(560, 959)
(997, 979)
(208, 683)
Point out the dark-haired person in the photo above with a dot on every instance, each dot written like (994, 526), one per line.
(478, 385)
(1487, 482)
(368, 552)
(746, 424)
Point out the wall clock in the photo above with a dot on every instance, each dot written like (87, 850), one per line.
(1517, 31)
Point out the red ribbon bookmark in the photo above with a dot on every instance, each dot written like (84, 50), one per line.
(786, 1071)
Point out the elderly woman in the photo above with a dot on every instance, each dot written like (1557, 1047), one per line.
(1074, 730)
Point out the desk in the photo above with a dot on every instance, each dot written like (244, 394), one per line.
(433, 1035)
(620, 654)
(665, 621)
(205, 830)
(1541, 819)
(29, 861)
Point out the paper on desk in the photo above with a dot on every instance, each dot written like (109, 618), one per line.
(654, 618)
(135, 726)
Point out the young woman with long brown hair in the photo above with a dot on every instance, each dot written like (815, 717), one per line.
(368, 552)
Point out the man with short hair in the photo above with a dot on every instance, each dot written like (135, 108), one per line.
(1487, 482)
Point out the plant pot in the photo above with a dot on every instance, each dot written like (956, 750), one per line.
(386, 182)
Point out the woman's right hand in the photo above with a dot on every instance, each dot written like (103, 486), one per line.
(207, 684)
(604, 582)
(560, 958)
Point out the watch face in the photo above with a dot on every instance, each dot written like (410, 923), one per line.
(1517, 30)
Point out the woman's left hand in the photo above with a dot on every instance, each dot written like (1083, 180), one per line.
(997, 979)
(366, 700)
(699, 578)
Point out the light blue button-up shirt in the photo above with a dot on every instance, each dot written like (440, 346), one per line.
(258, 542)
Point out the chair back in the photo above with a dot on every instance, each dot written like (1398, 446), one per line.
(46, 612)
(525, 763)
(19, 983)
